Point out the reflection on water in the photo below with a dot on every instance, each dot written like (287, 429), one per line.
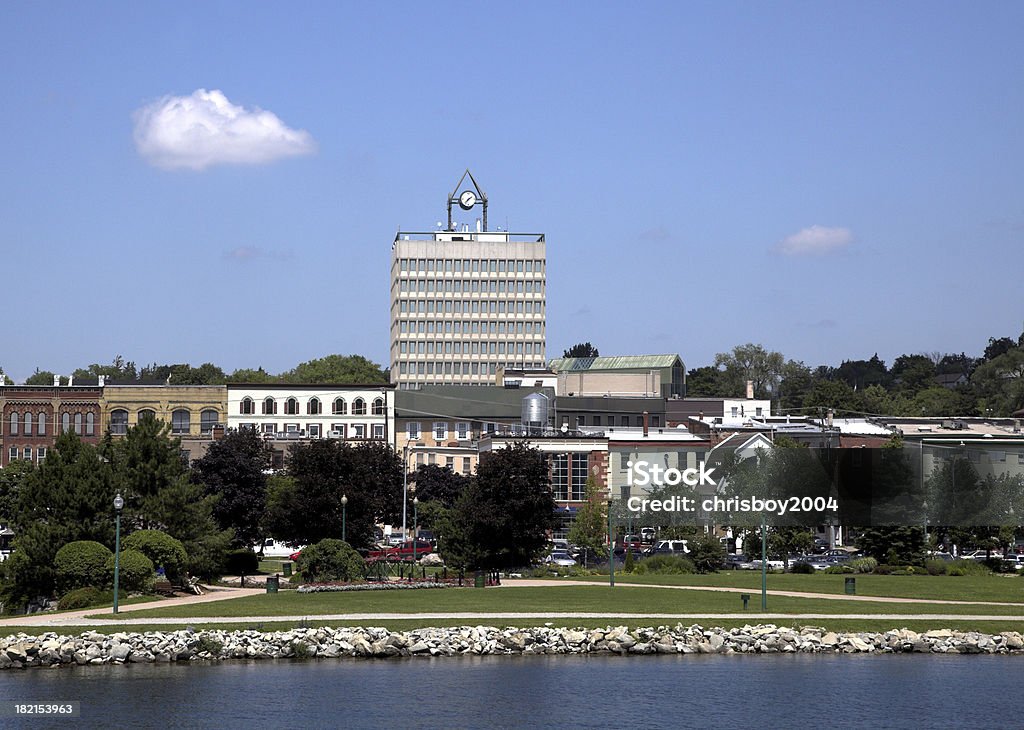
(746, 691)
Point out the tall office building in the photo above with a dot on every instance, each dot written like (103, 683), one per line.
(465, 300)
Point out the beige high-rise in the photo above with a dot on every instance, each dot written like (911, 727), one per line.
(465, 303)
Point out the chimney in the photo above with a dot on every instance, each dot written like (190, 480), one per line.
(56, 381)
(101, 379)
(645, 424)
(71, 380)
(828, 420)
(750, 390)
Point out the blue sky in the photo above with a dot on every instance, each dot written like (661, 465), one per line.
(830, 180)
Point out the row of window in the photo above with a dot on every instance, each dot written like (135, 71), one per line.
(466, 327)
(613, 420)
(448, 347)
(181, 420)
(314, 407)
(16, 452)
(474, 266)
(316, 430)
(24, 425)
(472, 286)
(440, 430)
(449, 462)
(460, 368)
(468, 306)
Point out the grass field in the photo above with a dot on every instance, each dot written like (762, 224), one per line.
(980, 588)
(555, 599)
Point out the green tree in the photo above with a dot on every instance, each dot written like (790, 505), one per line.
(754, 363)
(12, 478)
(336, 369)
(43, 377)
(248, 375)
(913, 373)
(589, 530)
(706, 382)
(786, 541)
(999, 383)
(899, 545)
(118, 370)
(795, 382)
(834, 394)
(581, 349)
(502, 520)
(438, 484)
(233, 471)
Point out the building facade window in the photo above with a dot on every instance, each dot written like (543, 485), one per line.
(15, 422)
(462, 431)
(339, 430)
(412, 430)
(359, 430)
(41, 430)
(466, 465)
(358, 407)
(180, 421)
(207, 420)
(28, 423)
(440, 430)
(65, 422)
(340, 408)
(313, 430)
(247, 407)
(78, 423)
(291, 407)
(378, 430)
(146, 413)
(269, 406)
(90, 423)
(378, 406)
(119, 422)
(313, 407)
(40, 454)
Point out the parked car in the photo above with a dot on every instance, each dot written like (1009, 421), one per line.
(559, 557)
(404, 551)
(631, 542)
(669, 547)
(735, 562)
(647, 535)
(1016, 562)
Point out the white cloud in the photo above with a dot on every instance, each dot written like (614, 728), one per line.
(206, 129)
(815, 240)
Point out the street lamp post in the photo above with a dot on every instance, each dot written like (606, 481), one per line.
(412, 491)
(611, 547)
(405, 483)
(344, 502)
(415, 528)
(118, 506)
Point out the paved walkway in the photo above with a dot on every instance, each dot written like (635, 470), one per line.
(78, 619)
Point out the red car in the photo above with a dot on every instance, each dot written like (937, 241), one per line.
(403, 551)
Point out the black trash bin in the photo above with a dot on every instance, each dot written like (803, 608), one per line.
(272, 584)
(851, 586)
(479, 580)
(287, 569)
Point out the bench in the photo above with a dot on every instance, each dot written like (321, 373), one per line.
(163, 587)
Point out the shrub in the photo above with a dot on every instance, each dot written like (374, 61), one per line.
(79, 598)
(838, 569)
(883, 569)
(863, 565)
(955, 569)
(331, 560)
(802, 568)
(706, 553)
(664, 565)
(164, 550)
(241, 562)
(80, 564)
(135, 571)
(630, 563)
(936, 567)
(969, 567)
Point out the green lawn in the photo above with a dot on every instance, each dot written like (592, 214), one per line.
(555, 599)
(980, 588)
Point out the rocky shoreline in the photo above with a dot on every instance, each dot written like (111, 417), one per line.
(52, 650)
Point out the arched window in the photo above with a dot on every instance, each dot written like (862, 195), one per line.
(90, 423)
(65, 421)
(28, 423)
(207, 420)
(78, 423)
(358, 407)
(41, 421)
(15, 422)
(313, 407)
(269, 406)
(247, 406)
(146, 413)
(291, 407)
(119, 422)
(180, 421)
(340, 408)
(378, 406)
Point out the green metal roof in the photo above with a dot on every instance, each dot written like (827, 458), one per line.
(619, 362)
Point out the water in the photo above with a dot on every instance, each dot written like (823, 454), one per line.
(784, 691)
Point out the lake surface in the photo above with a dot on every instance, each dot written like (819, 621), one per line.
(784, 691)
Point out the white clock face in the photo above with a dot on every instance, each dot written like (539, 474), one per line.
(467, 200)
